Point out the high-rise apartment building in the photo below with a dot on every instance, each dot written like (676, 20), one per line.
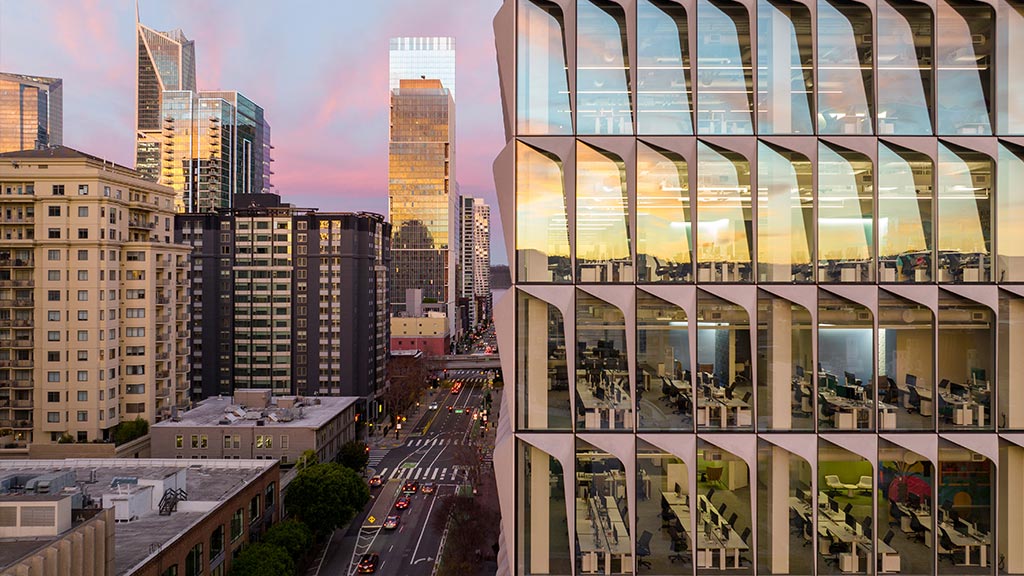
(767, 311)
(93, 299)
(31, 112)
(475, 259)
(210, 146)
(288, 299)
(412, 57)
(423, 196)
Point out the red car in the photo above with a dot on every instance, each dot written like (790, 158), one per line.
(368, 563)
(410, 487)
(376, 481)
(428, 488)
(403, 502)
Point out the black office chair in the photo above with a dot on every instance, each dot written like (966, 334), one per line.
(828, 411)
(808, 532)
(919, 529)
(745, 536)
(895, 514)
(643, 549)
(888, 537)
(914, 401)
(946, 550)
(866, 526)
(680, 545)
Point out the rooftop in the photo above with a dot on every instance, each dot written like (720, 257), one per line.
(207, 482)
(289, 411)
(58, 153)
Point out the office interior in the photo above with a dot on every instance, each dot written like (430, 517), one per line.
(603, 390)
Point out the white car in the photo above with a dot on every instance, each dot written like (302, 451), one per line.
(433, 406)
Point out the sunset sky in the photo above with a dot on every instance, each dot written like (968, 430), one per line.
(318, 68)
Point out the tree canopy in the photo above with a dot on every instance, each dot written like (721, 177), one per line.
(326, 496)
(354, 455)
(291, 535)
(261, 559)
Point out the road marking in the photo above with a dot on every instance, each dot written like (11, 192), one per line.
(417, 475)
(424, 529)
(383, 472)
(434, 475)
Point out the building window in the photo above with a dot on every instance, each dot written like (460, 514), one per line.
(53, 233)
(83, 356)
(53, 255)
(171, 570)
(53, 417)
(216, 543)
(254, 509)
(83, 335)
(83, 275)
(53, 336)
(83, 295)
(83, 255)
(195, 441)
(179, 441)
(83, 416)
(53, 396)
(227, 442)
(83, 315)
(194, 561)
(53, 376)
(83, 211)
(83, 376)
(135, 389)
(237, 523)
(83, 396)
(53, 211)
(83, 189)
(53, 295)
(284, 441)
(204, 442)
(58, 189)
(53, 356)
(135, 313)
(269, 495)
(83, 233)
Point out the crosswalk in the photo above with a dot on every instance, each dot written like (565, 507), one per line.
(375, 457)
(428, 474)
(424, 442)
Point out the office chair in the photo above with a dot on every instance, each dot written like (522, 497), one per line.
(914, 400)
(643, 549)
(918, 528)
(828, 411)
(866, 528)
(667, 517)
(847, 509)
(714, 474)
(796, 523)
(746, 397)
(680, 545)
(888, 537)
(808, 532)
(895, 514)
(946, 549)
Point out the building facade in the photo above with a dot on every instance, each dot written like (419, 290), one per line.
(412, 57)
(31, 112)
(94, 297)
(166, 62)
(427, 334)
(767, 310)
(475, 260)
(423, 195)
(288, 299)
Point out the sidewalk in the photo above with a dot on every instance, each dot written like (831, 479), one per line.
(388, 440)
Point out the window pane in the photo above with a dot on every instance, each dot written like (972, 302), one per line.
(785, 216)
(602, 69)
(904, 67)
(1010, 79)
(602, 228)
(725, 95)
(846, 371)
(785, 372)
(906, 482)
(664, 93)
(602, 373)
(542, 235)
(663, 512)
(724, 240)
(844, 514)
(663, 365)
(1010, 194)
(724, 499)
(542, 378)
(723, 364)
(967, 335)
(845, 74)
(785, 68)
(904, 215)
(542, 80)
(964, 61)
(663, 218)
(785, 526)
(906, 363)
(845, 215)
(1011, 362)
(965, 215)
(964, 507)
(602, 516)
(543, 536)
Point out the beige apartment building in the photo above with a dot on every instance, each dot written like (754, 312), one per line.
(93, 299)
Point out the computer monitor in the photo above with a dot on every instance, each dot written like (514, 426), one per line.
(678, 488)
(799, 371)
(847, 509)
(911, 380)
(914, 500)
(702, 506)
(851, 378)
(711, 493)
(599, 393)
(834, 505)
(851, 523)
(957, 389)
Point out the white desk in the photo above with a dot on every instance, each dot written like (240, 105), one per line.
(968, 542)
(890, 558)
(597, 542)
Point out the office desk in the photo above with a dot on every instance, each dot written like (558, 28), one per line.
(604, 414)
(679, 507)
(966, 412)
(681, 385)
(968, 542)
(707, 544)
(706, 409)
(597, 538)
(890, 558)
(925, 518)
(925, 393)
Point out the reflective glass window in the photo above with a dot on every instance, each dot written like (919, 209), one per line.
(602, 373)
(785, 521)
(965, 508)
(904, 67)
(603, 103)
(724, 520)
(543, 546)
(967, 337)
(964, 50)
(602, 227)
(965, 215)
(1010, 213)
(845, 67)
(906, 360)
(663, 511)
(846, 371)
(724, 74)
(664, 91)
(724, 235)
(1011, 362)
(785, 368)
(603, 543)
(785, 68)
(724, 386)
(542, 380)
(845, 215)
(542, 80)
(845, 511)
(1010, 79)
(905, 200)
(663, 216)
(906, 485)
(785, 216)
(664, 376)
(542, 233)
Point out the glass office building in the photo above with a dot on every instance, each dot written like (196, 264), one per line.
(768, 311)
(431, 57)
(166, 61)
(31, 112)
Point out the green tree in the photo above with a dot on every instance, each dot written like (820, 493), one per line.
(291, 535)
(307, 458)
(326, 496)
(263, 560)
(130, 430)
(354, 455)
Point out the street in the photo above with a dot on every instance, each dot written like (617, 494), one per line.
(439, 442)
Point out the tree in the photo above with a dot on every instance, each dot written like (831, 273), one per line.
(306, 459)
(326, 496)
(130, 430)
(354, 455)
(291, 535)
(262, 559)
(408, 377)
(472, 528)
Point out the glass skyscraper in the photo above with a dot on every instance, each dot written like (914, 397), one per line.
(767, 313)
(31, 112)
(166, 62)
(422, 191)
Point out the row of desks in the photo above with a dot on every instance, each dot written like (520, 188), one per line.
(602, 539)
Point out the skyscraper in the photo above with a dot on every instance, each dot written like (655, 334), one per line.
(31, 112)
(475, 259)
(166, 62)
(422, 195)
(422, 57)
(767, 313)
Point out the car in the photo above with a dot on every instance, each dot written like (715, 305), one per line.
(456, 388)
(391, 522)
(376, 481)
(410, 487)
(433, 406)
(403, 502)
(368, 563)
(427, 488)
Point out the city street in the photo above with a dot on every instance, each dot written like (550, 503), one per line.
(438, 443)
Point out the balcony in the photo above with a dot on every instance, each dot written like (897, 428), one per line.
(8, 323)
(21, 403)
(7, 363)
(17, 283)
(17, 303)
(22, 384)
(17, 263)
(141, 224)
(163, 374)
(162, 355)
(163, 300)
